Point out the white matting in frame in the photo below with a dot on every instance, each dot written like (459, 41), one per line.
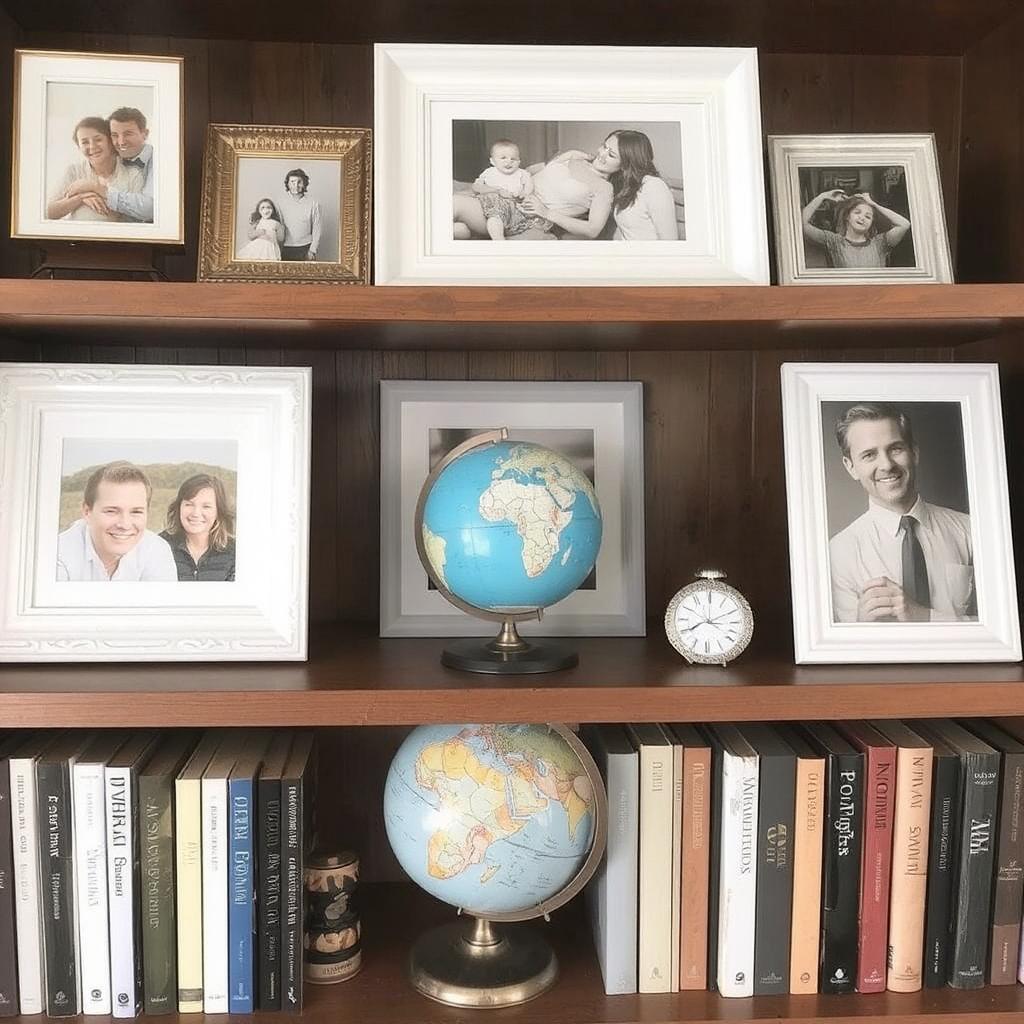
(609, 414)
(985, 625)
(59, 422)
(709, 94)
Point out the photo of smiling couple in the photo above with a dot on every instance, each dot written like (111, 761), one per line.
(577, 181)
(159, 522)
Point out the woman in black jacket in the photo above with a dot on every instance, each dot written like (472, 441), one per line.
(201, 531)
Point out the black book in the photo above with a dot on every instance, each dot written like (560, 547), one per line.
(775, 823)
(156, 832)
(268, 860)
(296, 809)
(975, 853)
(13, 744)
(840, 905)
(715, 855)
(943, 829)
(55, 810)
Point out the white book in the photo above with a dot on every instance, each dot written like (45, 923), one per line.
(612, 893)
(677, 855)
(737, 878)
(216, 871)
(90, 827)
(121, 786)
(654, 944)
(27, 910)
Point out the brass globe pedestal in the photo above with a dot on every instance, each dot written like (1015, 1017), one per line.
(508, 653)
(472, 963)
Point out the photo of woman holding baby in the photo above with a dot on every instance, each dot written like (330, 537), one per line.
(610, 190)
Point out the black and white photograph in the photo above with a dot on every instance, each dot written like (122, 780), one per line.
(98, 151)
(856, 217)
(285, 204)
(899, 523)
(577, 180)
(147, 511)
(899, 517)
(858, 209)
(288, 209)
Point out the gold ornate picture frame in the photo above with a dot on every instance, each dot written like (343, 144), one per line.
(285, 204)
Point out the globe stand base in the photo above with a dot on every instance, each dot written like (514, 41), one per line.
(508, 654)
(469, 963)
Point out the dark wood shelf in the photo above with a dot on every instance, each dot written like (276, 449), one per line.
(450, 317)
(355, 678)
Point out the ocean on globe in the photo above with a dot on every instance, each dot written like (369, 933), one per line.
(512, 526)
(494, 819)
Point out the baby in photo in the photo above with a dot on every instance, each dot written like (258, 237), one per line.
(501, 187)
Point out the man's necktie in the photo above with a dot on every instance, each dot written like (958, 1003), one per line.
(915, 572)
(134, 162)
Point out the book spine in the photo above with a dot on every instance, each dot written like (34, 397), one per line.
(693, 947)
(715, 863)
(122, 892)
(215, 895)
(842, 874)
(56, 870)
(677, 862)
(980, 785)
(8, 939)
(268, 905)
(944, 829)
(91, 864)
(876, 865)
(291, 916)
(27, 909)
(738, 877)
(805, 939)
(156, 819)
(774, 903)
(1009, 880)
(188, 866)
(241, 906)
(655, 910)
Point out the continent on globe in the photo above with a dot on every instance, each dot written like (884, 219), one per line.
(435, 548)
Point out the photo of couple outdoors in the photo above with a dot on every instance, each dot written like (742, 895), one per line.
(577, 181)
(153, 522)
(100, 167)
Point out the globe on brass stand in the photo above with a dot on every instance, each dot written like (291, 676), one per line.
(543, 770)
(504, 529)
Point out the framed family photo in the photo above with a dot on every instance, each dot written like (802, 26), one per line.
(98, 151)
(858, 209)
(285, 204)
(153, 513)
(597, 426)
(899, 520)
(643, 164)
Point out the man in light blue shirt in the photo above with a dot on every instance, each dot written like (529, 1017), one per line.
(129, 133)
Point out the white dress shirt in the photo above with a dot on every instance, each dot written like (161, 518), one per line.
(135, 204)
(872, 546)
(77, 561)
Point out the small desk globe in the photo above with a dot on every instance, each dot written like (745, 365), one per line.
(506, 529)
(506, 823)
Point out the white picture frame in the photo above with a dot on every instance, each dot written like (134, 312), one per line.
(956, 464)
(55, 92)
(609, 415)
(710, 94)
(54, 419)
(896, 170)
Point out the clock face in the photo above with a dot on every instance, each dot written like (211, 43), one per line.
(709, 624)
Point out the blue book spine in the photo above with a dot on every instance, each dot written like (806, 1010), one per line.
(241, 899)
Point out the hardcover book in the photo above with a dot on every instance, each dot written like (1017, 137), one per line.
(775, 824)
(979, 802)
(808, 830)
(612, 893)
(876, 854)
(12, 745)
(844, 767)
(156, 817)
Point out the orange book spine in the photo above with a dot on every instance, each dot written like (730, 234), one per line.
(694, 868)
(809, 822)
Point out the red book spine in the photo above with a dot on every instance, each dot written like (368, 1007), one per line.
(876, 866)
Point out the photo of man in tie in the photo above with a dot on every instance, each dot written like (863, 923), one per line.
(904, 559)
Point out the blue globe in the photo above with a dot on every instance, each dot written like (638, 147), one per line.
(490, 818)
(512, 526)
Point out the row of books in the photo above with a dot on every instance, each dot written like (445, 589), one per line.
(856, 856)
(152, 870)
